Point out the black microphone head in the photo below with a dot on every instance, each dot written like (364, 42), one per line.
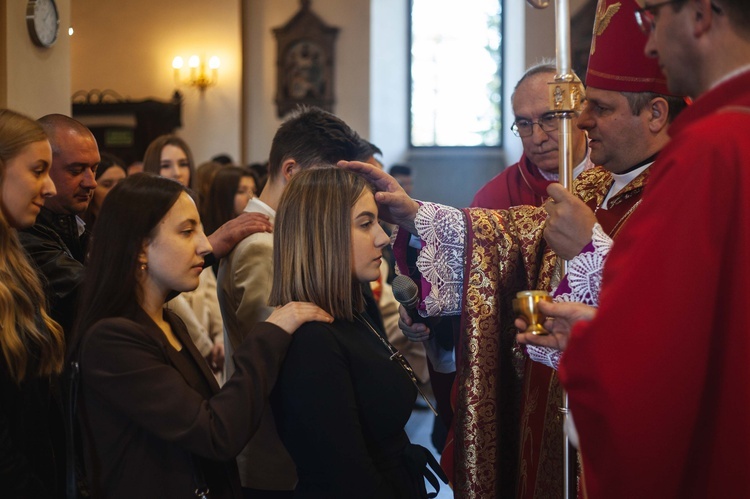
(405, 291)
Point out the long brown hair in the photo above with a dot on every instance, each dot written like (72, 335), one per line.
(218, 207)
(130, 215)
(312, 242)
(152, 156)
(26, 331)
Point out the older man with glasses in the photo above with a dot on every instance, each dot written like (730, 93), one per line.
(526, 182)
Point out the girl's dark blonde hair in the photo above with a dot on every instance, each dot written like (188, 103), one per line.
(26, 331)
(312, 242)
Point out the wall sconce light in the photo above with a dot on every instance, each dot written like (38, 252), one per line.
(198, 76)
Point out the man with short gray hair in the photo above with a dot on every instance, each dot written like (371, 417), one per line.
(526, 182)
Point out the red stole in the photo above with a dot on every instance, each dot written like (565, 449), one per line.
(519, 184)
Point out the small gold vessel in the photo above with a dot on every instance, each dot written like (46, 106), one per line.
(526, 306)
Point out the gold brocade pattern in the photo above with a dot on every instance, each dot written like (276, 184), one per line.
(527, 436)
(549, 477)
(505, 254)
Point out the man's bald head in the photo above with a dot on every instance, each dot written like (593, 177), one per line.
(56, 123)
(75, 158)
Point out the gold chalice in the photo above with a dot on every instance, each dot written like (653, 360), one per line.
(526, 305)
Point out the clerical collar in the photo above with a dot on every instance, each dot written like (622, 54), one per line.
(646, 161)
(622, 180)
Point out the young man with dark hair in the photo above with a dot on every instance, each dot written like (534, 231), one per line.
(310, 137)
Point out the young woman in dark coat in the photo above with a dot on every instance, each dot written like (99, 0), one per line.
(344, 394)
(154, 423)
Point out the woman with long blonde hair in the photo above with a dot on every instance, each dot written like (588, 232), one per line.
(32, 346)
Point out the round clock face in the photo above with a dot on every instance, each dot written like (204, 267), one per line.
(43, 21)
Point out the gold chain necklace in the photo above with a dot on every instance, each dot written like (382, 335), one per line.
(398, 357)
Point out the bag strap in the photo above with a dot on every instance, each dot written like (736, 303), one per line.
(201, 487)
(423, 460)
(71, 478)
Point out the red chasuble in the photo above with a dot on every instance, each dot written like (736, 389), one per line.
(507, 426)
(519, 184)
(659, 382)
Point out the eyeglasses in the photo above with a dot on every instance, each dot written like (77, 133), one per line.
(525, 128)
(646, 16)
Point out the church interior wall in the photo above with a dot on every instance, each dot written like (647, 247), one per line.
(128, 47)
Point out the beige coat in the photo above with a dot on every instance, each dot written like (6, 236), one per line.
(244, 285)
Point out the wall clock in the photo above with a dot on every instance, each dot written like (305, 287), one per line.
(43, 22)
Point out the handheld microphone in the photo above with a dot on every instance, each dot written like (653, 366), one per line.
(407, 294)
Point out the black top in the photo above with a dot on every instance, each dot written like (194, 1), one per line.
(150, 415)
(31, 436)
(341, 405)
(28, 466)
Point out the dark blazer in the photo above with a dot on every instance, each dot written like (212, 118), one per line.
(341, 405)
(145, 410)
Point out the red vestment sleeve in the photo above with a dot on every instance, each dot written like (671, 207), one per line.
(658, 381)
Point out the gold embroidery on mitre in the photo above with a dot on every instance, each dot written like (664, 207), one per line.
(603, 18)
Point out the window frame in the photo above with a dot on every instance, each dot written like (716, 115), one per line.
(409, 85)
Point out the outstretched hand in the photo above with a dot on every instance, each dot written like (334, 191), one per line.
(570, 222)
(226, 237)
(394, 204)
(561, 317)
(292, 315)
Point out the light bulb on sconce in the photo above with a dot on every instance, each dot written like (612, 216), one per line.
(198, 76)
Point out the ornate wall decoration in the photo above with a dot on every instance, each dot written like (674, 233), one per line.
(304, 62)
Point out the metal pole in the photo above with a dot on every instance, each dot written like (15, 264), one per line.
(566, 179)
(565, 95)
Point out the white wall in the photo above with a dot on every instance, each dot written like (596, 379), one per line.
(351, 70)
(33, 80)
(389, 74)
(452, 176)
(129, 46)
(535, 31)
